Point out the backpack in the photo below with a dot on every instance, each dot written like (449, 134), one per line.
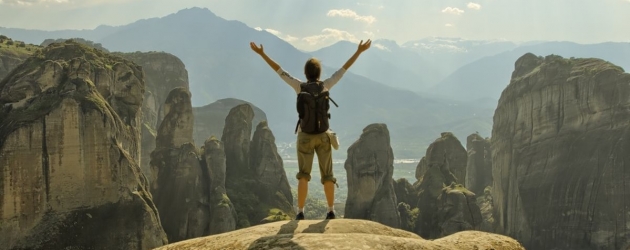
(312, 106)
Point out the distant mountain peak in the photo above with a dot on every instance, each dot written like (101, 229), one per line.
(195, 11)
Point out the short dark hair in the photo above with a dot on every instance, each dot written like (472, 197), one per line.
(312, 69)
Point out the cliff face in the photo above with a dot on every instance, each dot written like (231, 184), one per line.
(369, 167)
(560, 141)
(69, 146)
(163, 73)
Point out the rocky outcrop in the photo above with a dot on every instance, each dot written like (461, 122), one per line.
(13, 53)
(479, 165)
(560, 142)
(69, 145)
(163, 72)
(255, 179)
(222, 212)
(369, 168)
(448, 149)
(267, 168)
(210, 119)
(181, 182)
(457, 210)
(236, 139)
(443, 156)
(342, 234)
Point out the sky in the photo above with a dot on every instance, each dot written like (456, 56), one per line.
(309, 24)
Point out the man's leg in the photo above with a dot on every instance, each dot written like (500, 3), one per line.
(305, 153)
(324, 156)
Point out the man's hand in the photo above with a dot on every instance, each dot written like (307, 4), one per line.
(255, 48)
(363, 46)
(261, 52)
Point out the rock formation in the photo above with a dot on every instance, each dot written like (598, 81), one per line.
(421, 170)
(267, 168)
(236, 139)
(163, 72)
(222, 212)
(443, 156)
(69, 145)
(181, 182)
(341, 234)
(255, 179)
(560, 142)
(369, 168)
(457, 210)
(210, 119)
(479, 166)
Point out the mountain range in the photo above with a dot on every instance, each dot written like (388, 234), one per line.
(419, 88)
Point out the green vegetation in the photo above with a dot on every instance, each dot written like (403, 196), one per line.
(276, 215)
(9, 47)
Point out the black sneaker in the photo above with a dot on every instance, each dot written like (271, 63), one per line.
(300, 216)
(330, 215)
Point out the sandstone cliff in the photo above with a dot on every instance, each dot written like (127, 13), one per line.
(479, 165)
(342, 234)
(69, 146)
(560, 142)
(369, 168)
(163, 72)
(255, 179)
(210, 119)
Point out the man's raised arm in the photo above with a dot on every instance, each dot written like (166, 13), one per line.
(261, 52)
(362, 47)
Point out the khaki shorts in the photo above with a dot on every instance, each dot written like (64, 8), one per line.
(307, 146)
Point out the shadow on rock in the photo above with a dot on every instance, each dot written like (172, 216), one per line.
(317, 228)
(282, 240)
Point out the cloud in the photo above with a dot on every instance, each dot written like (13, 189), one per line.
(369, 33)
(448, 25)
(75, 3)
(330, 35)
(451, 10)
(286, 37)
(351, 14)
(476, 6)
(31, 2)
(381, 47)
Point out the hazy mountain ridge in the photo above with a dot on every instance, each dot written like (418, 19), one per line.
(487, 77)
(221, 65)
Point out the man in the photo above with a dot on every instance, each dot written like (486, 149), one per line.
(308, 144)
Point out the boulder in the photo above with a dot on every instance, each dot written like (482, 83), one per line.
(341, 234)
